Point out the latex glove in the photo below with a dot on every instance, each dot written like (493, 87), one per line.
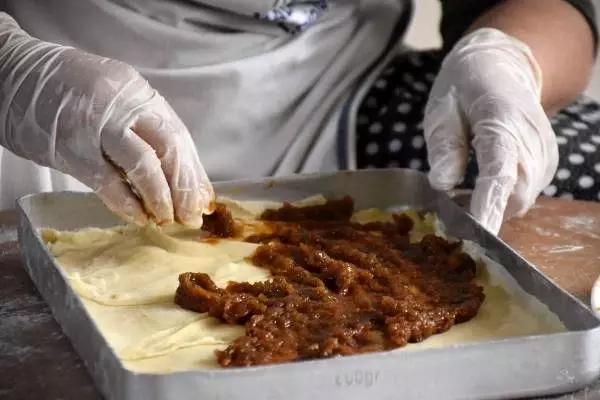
(99, 121)
(488, 92)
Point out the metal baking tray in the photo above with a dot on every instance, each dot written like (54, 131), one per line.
(519, 367)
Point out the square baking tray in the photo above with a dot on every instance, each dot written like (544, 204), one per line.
(517, 367)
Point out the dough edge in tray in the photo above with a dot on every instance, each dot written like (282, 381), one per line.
(126, 278)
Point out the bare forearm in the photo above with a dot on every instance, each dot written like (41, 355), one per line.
(559, 37)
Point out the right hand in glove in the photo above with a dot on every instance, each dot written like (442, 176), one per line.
(99, 121)
(488, 92)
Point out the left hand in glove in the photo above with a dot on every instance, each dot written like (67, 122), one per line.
(488, 92)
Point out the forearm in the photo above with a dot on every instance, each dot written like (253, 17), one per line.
(560, 39)
(20, 57)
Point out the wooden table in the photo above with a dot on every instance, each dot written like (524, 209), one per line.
(37, 361)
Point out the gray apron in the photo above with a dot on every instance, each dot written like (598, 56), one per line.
(265, 87)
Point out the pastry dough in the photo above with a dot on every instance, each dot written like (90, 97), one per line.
(127, 277)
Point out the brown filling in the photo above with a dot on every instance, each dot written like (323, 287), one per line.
(338, 287)
(220, 224)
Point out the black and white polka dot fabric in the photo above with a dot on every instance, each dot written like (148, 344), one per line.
(390, 132)
(577, 130)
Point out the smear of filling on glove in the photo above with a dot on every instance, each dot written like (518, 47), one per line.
(265, 284)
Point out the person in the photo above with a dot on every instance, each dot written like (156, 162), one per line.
(133, 99)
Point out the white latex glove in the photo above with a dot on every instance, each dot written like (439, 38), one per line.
(99, 121)
(488, 92)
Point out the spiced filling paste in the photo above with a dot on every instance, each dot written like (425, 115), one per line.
(338, 287)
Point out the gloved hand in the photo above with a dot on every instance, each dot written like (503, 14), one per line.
(488, 92)
(99, 121)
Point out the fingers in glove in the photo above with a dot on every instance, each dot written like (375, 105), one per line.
(143, 169)
(521, 199)
(497, 159)
(538, 161)
(191, 190)
(115, 193)
(446, 139)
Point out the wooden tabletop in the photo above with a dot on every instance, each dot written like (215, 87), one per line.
(562, 238)
(37, 362)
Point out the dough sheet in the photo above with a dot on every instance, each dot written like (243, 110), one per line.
(127, 277)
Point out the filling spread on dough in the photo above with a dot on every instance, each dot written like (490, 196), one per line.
(338, 288)
(319, 281)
